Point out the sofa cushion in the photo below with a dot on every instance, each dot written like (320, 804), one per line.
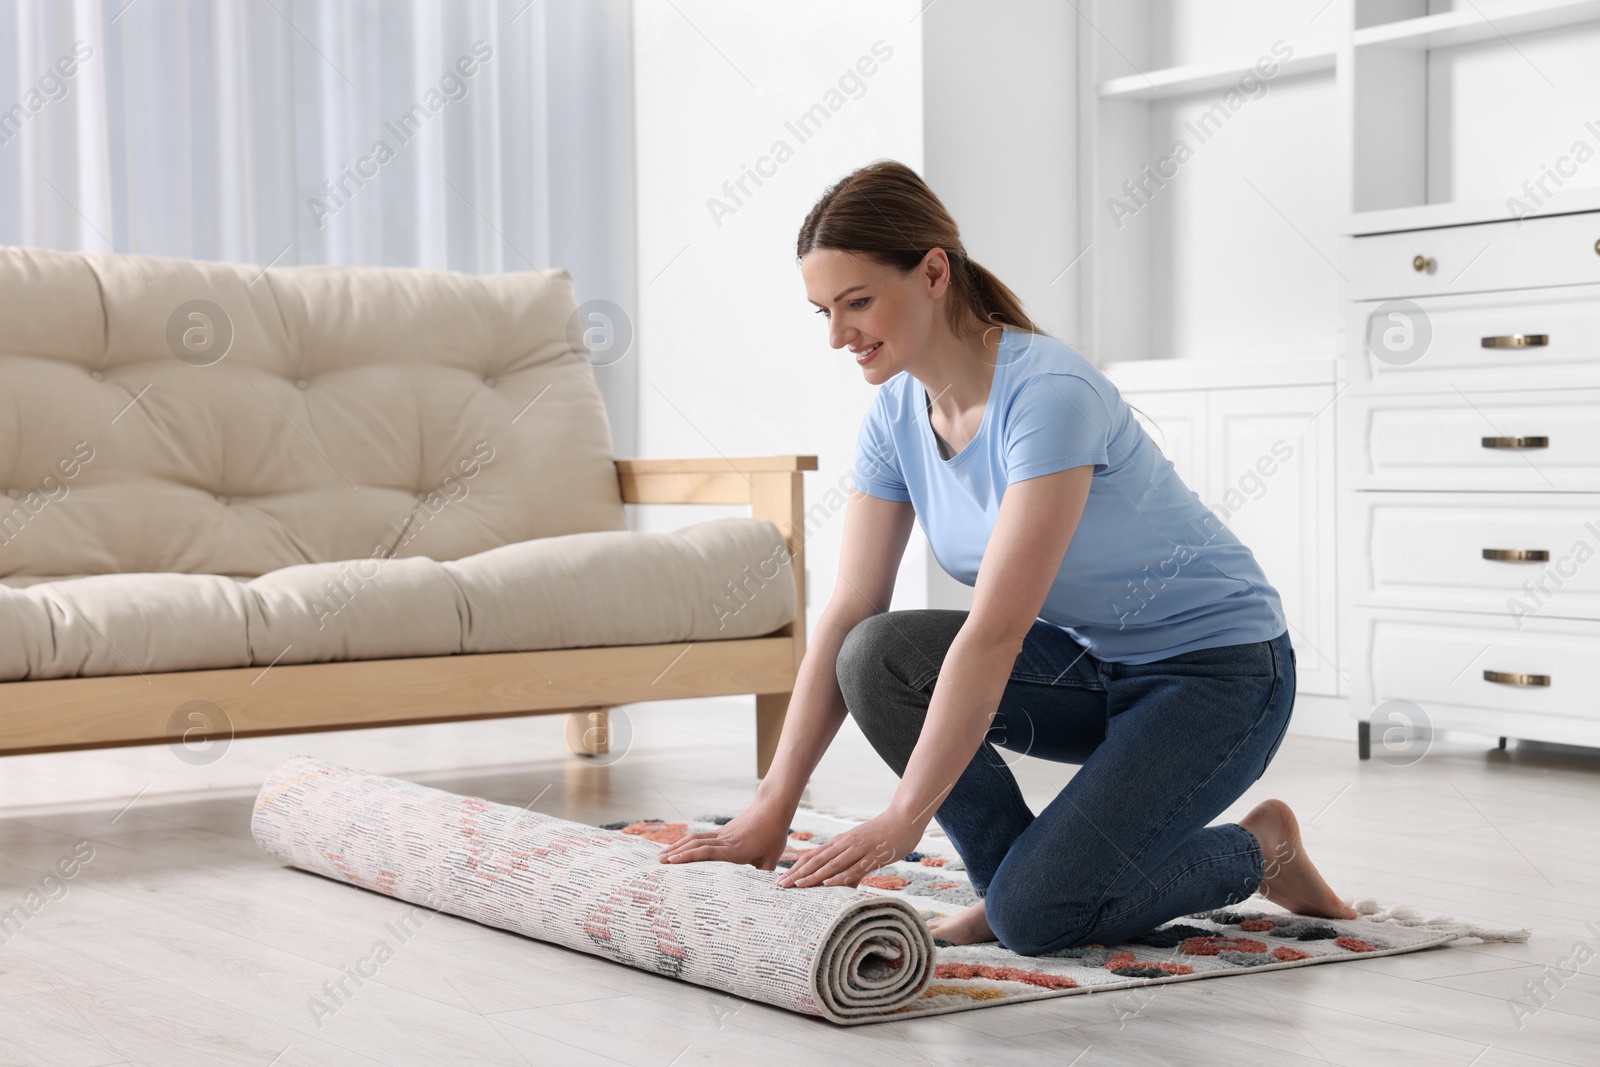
(720, 579)
(355, 409)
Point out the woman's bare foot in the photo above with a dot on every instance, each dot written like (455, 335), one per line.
(1291, 881)
(966, 927)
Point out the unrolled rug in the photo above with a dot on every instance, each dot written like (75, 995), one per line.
(849, 955)
(1251, 936)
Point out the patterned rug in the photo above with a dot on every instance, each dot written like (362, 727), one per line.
(1254, 935)
(851, 955)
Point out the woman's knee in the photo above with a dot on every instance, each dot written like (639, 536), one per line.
(910, 642)
(1029, 926)
(862, 655)
(890, 648)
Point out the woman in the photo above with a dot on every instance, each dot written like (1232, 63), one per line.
(1115, 623)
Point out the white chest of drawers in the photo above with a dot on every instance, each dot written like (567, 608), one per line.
(1470, 480)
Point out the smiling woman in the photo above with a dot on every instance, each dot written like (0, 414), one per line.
(1037, 487)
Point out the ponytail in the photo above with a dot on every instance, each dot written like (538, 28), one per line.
(885, 211)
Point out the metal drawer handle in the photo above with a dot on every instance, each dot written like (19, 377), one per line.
(1422, 263)
(1517, 340)
(1508, 678)
(1518, 555)
(1516, 442)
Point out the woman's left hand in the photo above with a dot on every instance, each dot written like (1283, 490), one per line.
(853, 854)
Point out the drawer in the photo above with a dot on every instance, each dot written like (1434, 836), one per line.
(1553, 250)
(1522, 339)
(1476, 552)
(1438, 661)
(1535, 440)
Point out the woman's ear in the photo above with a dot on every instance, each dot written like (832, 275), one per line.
(935, 272)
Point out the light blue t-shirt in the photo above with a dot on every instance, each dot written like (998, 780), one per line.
(1150, 571)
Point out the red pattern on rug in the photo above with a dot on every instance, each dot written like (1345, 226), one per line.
(1003, 974)
(662, 833)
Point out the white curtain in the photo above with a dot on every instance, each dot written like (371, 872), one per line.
(472, 135)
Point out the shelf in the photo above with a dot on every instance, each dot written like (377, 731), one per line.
(1464, 213)
(1483, 21)
(1198, 78)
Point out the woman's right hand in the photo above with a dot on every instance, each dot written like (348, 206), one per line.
(757, 836)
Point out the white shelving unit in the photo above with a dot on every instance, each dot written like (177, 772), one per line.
(1377, 116)
(1209, 293)
(1250, 169)
(1472, 223)
(1525, 73)
(1172, 235)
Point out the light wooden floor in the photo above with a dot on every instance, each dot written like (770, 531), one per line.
(181, 943)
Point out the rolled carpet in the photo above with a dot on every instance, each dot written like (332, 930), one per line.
(848, 955)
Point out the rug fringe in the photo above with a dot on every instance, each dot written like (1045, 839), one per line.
(1370, 910)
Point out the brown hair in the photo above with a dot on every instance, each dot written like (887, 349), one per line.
(885, 211)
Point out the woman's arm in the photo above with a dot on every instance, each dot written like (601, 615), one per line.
(873, 542)
(1036, 521)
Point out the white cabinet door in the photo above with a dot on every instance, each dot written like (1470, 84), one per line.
(1270, 477)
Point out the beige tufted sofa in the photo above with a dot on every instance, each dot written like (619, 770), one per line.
(242, 502)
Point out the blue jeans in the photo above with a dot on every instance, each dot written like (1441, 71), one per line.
(1162, 749)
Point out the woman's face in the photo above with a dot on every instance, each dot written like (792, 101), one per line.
(868, 304)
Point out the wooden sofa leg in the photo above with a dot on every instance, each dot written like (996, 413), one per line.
(589, 732)
(770, 710)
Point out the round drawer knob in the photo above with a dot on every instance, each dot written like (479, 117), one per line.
(1422, 263)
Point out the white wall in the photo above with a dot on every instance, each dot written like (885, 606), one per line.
(1244, 239)
(1000, 126)
(732, 360)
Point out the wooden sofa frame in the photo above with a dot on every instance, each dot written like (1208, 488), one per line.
(56, 715)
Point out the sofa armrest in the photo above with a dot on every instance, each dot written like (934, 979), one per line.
(717, 480)
(770, 485)
(734, 465)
